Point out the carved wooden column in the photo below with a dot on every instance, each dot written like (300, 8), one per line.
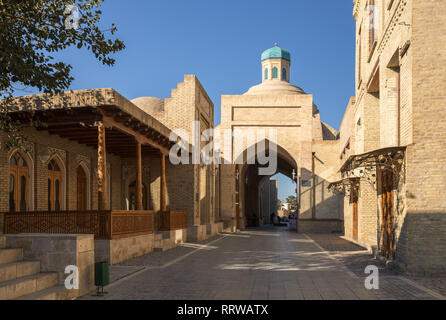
(139, 195)
(163, 191)
(102, 169)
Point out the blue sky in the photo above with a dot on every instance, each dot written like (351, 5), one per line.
(221, 42)
(286, 186)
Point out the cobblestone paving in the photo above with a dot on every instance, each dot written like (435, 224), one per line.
(255, 265)
(437, 284)
(392, 286)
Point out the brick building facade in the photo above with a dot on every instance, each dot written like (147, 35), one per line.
(392, 140)
(189, 187)
(387, 157)
(304, 147)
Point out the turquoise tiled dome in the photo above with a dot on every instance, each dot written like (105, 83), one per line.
(276, 53)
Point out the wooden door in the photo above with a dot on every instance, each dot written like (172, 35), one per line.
(18, 183)
(81, 189)
(355, 213)
(54, 186)
(388, 219)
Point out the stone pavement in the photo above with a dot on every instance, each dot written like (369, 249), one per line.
(257, 264)
(392, 285)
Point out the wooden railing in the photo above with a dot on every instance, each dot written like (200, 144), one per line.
(103, 224)
(126, 224)
(172, 220)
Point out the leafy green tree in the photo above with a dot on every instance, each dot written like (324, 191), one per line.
(292, 200)
(30, 32)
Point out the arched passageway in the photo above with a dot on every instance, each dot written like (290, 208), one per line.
(257, 192)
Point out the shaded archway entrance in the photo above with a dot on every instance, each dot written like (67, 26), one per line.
(257, 193)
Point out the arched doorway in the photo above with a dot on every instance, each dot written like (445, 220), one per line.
(258, 194)
(132, 196)
(54, 185)
(81, 189)
(18, 183)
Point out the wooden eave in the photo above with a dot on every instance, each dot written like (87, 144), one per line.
(74, 116)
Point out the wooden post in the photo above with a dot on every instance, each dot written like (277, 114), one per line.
(102, 169)
(163, 188)
(139, 195)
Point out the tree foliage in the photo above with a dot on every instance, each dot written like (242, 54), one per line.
(31, 31)
(292, 200)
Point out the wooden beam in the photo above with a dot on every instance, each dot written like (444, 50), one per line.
(131, 155)
(139, 137)
(82, 132)
(163, 189)
(109, 140)
(74, 119)
(122, 118)
(90, 136)
(63, 125)
(139, 195)
(102, 169)
(78, 133)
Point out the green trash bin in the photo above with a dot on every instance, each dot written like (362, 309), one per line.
(101, 275)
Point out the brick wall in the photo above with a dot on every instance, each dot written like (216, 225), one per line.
(411, 37)
(70, 155)
(426, 177)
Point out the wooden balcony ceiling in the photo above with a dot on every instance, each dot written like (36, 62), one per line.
(77, 120)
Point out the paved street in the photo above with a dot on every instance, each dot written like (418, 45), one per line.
(258, 264)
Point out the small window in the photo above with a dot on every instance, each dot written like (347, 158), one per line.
(23, 189)
(371, 13)
(54, 186)
(266, 74)
(57, 198)
(53, 166)
(11, 193)
(275, 73)
(284, 75)
(49, 194)
(17, 160)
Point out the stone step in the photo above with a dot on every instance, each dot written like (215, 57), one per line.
(14, 289)
(14, 270)
(11, 255)
(2, 242)
(158, 245)
(53, 293)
